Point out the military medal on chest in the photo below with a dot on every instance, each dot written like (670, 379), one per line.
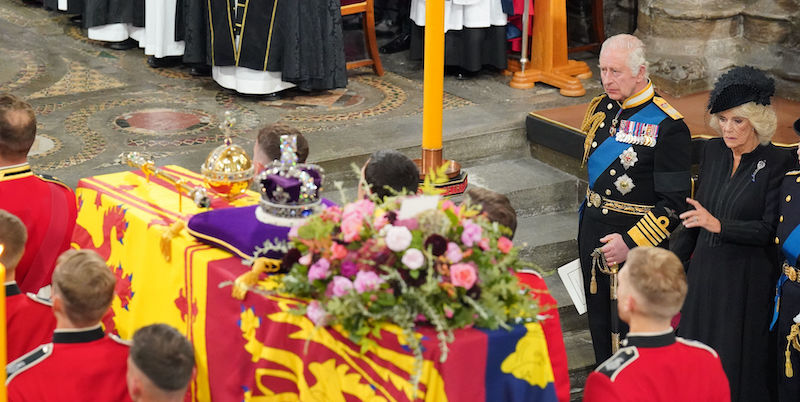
(628, 158)
(637, 133)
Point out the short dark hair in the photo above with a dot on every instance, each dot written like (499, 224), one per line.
(164, 355)
(13, 236)
(496, 206)
(85, 284)
(269, 141)
(16, 136)
(389, 168)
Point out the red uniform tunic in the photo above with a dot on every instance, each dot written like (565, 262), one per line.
(659, 368)
(81, 365)
(551, 325)
(29, 321)
(48, 209)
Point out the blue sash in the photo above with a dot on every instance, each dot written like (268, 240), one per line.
(791, 247)
(611, 149)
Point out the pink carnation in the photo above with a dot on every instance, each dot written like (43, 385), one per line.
(319, 270)
(317, 314)
(413, 258)
(471, 234)
(361, 208)
(366, 281)
(504, 244)
(339, 286)
(453, 253)
(398, 238)
(463, 275)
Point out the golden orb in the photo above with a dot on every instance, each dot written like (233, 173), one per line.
(228, 170)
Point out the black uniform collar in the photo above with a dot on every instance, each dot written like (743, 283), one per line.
(656, 340)
(79, 335)
(12, 289)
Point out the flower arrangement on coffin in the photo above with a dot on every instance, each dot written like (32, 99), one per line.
(413, 260)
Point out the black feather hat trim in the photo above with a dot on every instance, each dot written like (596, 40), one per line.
(738, 86)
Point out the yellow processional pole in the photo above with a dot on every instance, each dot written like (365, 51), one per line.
(3, 340)
(433, 97)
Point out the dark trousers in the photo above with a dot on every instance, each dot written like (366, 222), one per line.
(598, 305)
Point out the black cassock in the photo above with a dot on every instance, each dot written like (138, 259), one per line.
(104, 12)
(300, 39)
(191, 26)
(732, 274)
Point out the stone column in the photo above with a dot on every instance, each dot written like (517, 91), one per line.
(691, 42)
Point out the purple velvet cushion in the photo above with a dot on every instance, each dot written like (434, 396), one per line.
(238, 231)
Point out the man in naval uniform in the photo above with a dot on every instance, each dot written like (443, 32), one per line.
(654, 364)
(82, 363)
(29, 319)
(638, 157)
(263, 47)
(787, 308)
(46, 206)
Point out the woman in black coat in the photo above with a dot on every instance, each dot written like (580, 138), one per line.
(730, 232)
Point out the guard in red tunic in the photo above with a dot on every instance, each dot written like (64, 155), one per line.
(46, 206)
(82, 363)
(29, 319)
(653, 364)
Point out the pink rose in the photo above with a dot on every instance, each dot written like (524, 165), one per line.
(484, 244)
(463, 275)
(319, 270)
(413, 258)
(338, 251)
(351, 228)
(453, 253)
(317, 314)
(410, 223)
(398, 238)
(471, 234)
(339, 286)
(366, 281)
(504, 244)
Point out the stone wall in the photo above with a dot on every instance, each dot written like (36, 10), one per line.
(691, 42)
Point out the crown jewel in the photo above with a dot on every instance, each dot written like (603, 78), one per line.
(290, 190)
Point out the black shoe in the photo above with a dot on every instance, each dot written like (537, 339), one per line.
(124, 45)
(398, 44)
(200, 70)
(161, 62)
(76, 19)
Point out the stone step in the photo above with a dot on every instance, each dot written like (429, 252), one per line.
(533, 187)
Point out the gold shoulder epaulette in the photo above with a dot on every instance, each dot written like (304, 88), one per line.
(52, 179)
(667, 108)
(793, 173)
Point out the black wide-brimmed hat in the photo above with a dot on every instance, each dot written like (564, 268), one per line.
(738, 86)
